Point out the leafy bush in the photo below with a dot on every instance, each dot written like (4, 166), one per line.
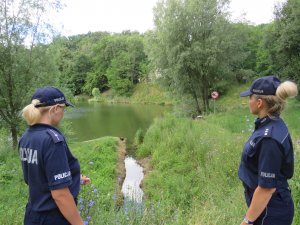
(96, 96)
(96, 92)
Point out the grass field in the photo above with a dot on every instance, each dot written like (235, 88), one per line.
(192, 178)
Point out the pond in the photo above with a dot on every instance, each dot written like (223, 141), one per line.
(95, 120)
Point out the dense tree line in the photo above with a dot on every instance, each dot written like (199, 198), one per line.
(101, 60)
(193, 49)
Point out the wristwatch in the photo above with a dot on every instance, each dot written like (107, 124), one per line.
(248, 221)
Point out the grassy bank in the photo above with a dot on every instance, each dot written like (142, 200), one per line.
(194, 167)
(98, 202)
(143, 93)
(195, 163)
(98, 161)
(13, 194)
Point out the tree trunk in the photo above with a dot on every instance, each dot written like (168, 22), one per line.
(14, 136)
(197, 103)
(205, 99)
(205, 94)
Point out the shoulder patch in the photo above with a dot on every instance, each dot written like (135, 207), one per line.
(56, 137)
(268, 131)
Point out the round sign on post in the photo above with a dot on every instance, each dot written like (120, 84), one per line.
(215, 94)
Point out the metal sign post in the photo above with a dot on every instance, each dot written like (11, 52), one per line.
(214, 96)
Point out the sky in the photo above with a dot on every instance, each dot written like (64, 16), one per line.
(82, 16)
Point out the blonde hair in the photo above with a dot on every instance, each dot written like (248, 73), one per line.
(32, 114)
(276, 103)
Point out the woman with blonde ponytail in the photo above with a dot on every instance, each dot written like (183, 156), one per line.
(50, 170)
(268, 160)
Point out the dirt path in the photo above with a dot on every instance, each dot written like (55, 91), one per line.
(120, 170)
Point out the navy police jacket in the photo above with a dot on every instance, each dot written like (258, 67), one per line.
(268, 158)
(47, 165)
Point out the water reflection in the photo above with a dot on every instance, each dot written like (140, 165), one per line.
(91, 121)
(134, 176)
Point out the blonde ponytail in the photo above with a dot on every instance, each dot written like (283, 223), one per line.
(32, 114)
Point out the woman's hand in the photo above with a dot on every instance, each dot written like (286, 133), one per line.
(84, 180)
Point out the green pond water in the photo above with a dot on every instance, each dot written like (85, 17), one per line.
(95, 120)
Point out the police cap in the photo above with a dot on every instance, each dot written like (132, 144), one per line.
(50, 96)
(263, 86)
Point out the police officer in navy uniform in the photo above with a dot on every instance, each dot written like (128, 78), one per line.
(268, 160)
(49, 168)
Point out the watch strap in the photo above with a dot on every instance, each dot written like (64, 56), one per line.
(248, 221)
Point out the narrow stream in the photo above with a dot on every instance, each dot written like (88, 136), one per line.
(94, 120)
(131, 185)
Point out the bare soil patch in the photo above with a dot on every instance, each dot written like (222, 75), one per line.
(120, 170)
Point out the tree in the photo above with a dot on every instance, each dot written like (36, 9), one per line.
(75, 58)
(263, 59)
(283, 41)
(80, 67)
(191, 46)
(120, 75)
(120, 60)
(23, 61)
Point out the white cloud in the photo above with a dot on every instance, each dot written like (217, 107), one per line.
(82, 16)
(255, 11)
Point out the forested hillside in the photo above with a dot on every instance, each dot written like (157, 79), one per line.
(193, 50)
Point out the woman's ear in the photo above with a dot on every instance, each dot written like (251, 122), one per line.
(55, 108)
(260, 103)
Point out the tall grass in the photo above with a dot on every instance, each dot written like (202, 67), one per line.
(13, 194)
(151, 93)
(195, 163)
(195, 168)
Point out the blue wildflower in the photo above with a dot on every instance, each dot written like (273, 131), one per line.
(91, 203)
(81, 207)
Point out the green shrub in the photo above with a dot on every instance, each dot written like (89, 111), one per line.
(96, 96)
(139, 137)
(96, 93)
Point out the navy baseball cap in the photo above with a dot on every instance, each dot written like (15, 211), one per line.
(263, 86)
(50, 96)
